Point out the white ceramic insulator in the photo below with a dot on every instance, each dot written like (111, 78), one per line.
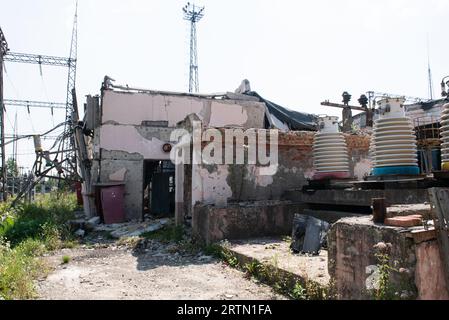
(329, 147)
(445, 133)
(393, 142)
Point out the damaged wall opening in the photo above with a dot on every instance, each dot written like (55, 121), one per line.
(159, 188)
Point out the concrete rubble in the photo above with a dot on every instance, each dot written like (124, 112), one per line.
(129, 230)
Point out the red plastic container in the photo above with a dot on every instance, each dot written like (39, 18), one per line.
(112, 204)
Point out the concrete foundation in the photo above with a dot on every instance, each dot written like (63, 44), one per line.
(362, 198)
(352, 260)
(243, 221)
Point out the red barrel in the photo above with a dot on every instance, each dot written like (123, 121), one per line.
(112, 204)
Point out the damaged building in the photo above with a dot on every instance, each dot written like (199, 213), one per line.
(224, 189)
(132, 143)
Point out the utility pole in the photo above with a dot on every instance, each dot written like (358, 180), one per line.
(193, 14)
(3, 51)
(429, 71)
(70, 143)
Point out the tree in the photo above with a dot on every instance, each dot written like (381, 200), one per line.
(12, 169)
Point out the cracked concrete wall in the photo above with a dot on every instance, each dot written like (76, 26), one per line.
(133, 108)
(146, 141)
(223, 184)
(353, 264)
(124, 139)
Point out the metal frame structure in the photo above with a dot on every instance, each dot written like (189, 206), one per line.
(34, 104)
(193, 14)
(67, 154)
(3, 51)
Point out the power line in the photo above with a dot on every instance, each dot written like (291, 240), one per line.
(193, 14)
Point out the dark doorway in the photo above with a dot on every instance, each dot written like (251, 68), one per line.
(159, 188)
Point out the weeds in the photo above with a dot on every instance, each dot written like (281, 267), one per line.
(252, 268)
(19, 266)
(271, 274)
(298, 292)
(26, 232)
(169, 233)
(65, 259)
(386, 288)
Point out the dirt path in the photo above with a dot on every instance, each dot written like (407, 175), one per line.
(115, 273)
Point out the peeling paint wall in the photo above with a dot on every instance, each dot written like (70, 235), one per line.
(130, 139)
(131, 129)
(133, 108)
(224, 184)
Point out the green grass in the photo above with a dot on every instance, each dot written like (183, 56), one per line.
(169, 233)
(66, 259)
(26, 232)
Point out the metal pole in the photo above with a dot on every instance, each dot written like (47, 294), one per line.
(2, 130)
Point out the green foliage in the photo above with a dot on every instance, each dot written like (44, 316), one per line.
(44, 219)
(26, 232)
(271, 274)
(12, 170)
(18, 268)
(252, 268)
(169, 233)
(385, 289)
(229, 257)
(214, 250)
(66, 259)
(298, 292)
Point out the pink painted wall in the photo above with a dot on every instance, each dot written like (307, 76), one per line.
(429, 273)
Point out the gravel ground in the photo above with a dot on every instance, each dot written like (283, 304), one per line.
(154, 271)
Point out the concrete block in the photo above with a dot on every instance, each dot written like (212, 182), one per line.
(258, 219)
(405, 221)
(351, 254)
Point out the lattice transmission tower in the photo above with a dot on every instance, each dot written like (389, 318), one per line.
(193, 14)
(70, 142)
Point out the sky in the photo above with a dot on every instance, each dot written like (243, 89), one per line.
(295, 53)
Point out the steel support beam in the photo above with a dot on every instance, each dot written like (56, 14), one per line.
(34, 104)
(39, 59)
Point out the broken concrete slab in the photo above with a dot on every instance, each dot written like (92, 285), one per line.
(80, 233)
(92, 223)
(276, 253)
(129, 230)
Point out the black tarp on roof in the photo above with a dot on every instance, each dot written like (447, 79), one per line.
(430, 104)
(296, 121)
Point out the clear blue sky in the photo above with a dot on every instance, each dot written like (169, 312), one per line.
(296, 53)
